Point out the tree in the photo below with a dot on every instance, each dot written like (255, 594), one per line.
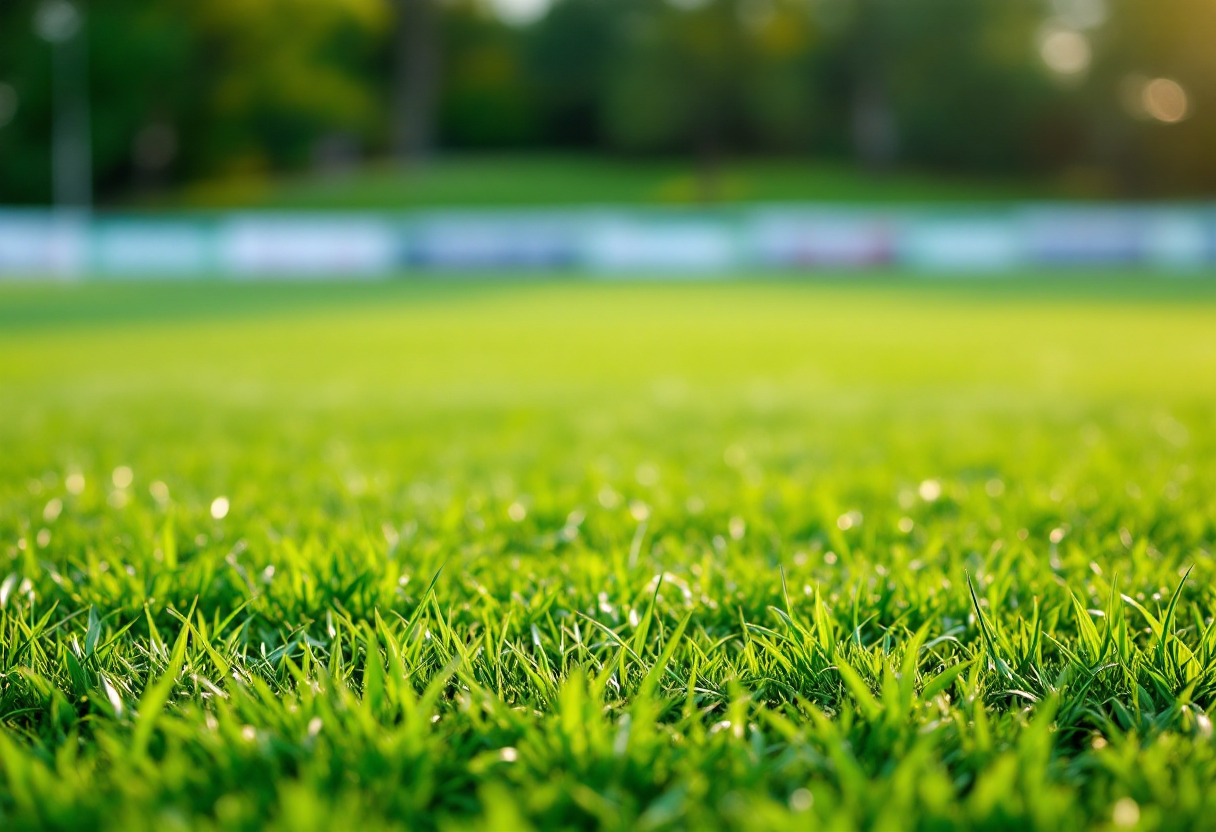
(679, 84)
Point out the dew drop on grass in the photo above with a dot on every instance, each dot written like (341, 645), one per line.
(219, 508)
(159, 492)
(51, 513)
(801, 800)
(1126, 813)
(74, 483)
(1204, 723)
(122, 476)
(738, 528)
(112, 695)
(848, 520)
(517, 512)
(6, 589)
(930, 490)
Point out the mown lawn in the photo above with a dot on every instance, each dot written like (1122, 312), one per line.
(474, 554)
(548, 180)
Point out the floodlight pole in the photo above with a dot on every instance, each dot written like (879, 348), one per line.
(61, 25)
(417, 78)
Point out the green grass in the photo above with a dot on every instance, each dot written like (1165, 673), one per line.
(848, 554)
(577, 180)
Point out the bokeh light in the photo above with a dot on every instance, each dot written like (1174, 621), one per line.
(1165, 100)
(1081, 14)
(520, 12)
(1064, 51)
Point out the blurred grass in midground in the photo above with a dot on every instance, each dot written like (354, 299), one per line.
(1041, 335)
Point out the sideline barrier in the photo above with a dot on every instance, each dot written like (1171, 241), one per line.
(605, 240)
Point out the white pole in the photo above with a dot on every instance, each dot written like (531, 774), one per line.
(60, 24)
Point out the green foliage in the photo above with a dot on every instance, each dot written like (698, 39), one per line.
(226, 93)
(760, 555)
(560, 180)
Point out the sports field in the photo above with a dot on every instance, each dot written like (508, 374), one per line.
(865, 553)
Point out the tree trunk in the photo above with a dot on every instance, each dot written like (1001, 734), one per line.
(416, 80)
(875, 136)
(709, 164)
(874, 128)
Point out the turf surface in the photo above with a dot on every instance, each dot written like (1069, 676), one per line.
(876, 554)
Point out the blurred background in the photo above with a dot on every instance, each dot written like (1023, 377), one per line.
(147, 105)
